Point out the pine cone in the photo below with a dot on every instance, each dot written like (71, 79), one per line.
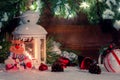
(94, 69)
(57, 67)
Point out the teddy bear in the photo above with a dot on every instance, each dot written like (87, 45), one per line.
(18, 57)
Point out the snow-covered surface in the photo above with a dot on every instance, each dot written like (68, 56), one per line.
(70, 73)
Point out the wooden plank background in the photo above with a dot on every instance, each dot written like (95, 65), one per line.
(85, 38)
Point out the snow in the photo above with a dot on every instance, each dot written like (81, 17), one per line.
(116, 24)
(70, 73)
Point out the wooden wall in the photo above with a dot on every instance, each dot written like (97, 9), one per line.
(84, 38)
(76, 33)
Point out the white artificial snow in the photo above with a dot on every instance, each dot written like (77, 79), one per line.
(65, 54)
(70, 55)
(39, 6)
(0, 47)
(100, 0)
(70, 73)
(56, 47)
(111, 2)
(5, 17)
(116, 25)
(108, 14)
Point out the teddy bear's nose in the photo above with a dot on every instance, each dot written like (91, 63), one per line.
(17, 47)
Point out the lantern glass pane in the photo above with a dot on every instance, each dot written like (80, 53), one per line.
(42, 49)
(30, 48)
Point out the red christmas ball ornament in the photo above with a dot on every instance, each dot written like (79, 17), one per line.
(64, 61)
(85, 64)
(43, 67)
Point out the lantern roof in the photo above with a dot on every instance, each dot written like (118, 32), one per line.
(30, 16)
(29, 26)
(29, 29)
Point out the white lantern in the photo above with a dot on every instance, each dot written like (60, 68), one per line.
(34, 36)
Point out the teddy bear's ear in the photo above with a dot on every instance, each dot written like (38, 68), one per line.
(22, 42)
(12, 41)
(17, 41)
